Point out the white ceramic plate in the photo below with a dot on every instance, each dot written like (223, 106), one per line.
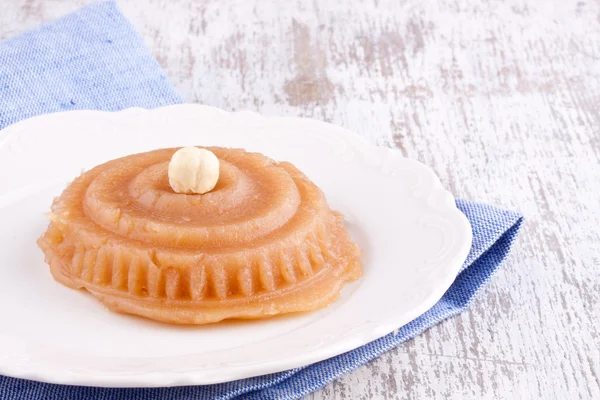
(413, 237)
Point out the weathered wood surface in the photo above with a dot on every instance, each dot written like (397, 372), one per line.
(501, 98)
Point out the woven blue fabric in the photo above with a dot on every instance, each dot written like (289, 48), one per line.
(93, 59)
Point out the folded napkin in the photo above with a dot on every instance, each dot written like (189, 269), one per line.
(93, 59)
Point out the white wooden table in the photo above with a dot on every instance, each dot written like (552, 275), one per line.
(501, 98)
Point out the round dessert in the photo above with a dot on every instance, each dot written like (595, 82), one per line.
(262, 242)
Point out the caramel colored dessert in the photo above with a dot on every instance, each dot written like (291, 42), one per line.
(263, 242)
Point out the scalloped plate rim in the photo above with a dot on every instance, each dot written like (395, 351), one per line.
(152, 379)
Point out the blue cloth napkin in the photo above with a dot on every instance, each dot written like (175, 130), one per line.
(93, 59)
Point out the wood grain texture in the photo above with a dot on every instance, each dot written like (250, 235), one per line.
(501, 98)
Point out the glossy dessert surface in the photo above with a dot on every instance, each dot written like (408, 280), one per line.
(262, 242)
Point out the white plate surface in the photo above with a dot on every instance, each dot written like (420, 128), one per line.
(413, 237)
